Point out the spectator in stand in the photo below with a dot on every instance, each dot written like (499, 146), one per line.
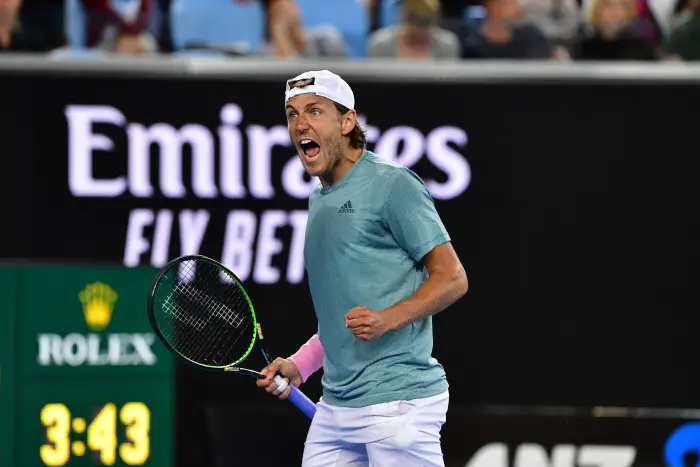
(286, 38)
(684, 41)
(654, 18)
(505, 33)
(119, 27)
(613, 34)
(452, 13)
(16, 37)
(418, 36)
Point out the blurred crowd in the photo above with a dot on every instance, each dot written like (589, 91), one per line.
(359, 29)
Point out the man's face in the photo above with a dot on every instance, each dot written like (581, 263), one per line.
(315, 128)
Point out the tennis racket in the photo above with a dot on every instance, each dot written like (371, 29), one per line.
(201, 312)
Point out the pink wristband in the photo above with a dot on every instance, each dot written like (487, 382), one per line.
(309, 357)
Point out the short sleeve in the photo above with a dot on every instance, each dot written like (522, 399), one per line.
(410, 215)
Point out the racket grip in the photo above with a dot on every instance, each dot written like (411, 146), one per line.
(297, 397)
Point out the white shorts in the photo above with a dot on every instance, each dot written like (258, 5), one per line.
(394, 434)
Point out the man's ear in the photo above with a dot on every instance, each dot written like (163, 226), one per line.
(348, 122)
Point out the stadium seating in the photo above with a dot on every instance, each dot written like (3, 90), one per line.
(217, 22)
(349, 16)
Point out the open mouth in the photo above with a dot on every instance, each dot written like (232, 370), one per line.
(310, 148)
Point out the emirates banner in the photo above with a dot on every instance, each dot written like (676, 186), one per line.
(574, 206)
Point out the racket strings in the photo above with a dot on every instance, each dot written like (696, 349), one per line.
(203, 316)
(216, 342)
(213, 344)
(238, 302)
(172, 307)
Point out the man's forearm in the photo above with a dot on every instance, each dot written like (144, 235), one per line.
(440, 290)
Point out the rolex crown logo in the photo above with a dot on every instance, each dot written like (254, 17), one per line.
(98, 303)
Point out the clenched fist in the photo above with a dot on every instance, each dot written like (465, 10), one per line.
(366, 324)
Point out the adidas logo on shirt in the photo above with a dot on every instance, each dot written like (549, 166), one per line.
(346, 208)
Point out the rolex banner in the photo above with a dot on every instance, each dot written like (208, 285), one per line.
(78, 320)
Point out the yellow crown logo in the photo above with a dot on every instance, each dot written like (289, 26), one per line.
(98, 304)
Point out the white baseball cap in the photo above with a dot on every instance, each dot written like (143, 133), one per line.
(322, 83)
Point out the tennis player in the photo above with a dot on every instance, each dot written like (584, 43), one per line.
(380, 263)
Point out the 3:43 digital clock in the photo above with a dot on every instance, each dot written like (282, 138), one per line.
(75, 425)
(101, 434)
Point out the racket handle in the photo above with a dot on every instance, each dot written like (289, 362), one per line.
(297, 397)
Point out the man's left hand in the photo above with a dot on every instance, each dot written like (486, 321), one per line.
(366, 324)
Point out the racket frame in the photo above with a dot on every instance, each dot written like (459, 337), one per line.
(256, 325)
(296, 396)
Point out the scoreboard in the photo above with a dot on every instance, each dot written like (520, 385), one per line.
(83, 380)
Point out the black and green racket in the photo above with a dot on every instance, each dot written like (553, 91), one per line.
(201, 312)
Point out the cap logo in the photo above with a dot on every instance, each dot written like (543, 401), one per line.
(300, 83)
